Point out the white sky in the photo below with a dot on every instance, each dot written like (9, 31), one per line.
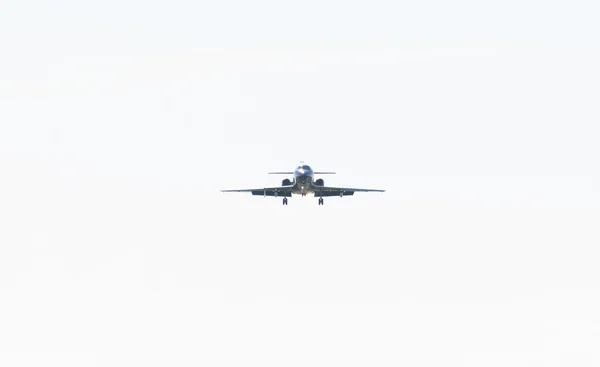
(121, 120)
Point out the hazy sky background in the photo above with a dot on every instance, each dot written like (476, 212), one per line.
(121, 120)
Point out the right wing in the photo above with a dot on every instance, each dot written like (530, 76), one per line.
(321, 191)
(284, 191)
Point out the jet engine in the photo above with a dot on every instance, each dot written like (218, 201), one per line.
(286, 182)
(320, 182)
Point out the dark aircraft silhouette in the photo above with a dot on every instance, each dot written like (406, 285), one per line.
(303, 183)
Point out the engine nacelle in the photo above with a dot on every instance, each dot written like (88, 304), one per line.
(320, 182)
(286, 182)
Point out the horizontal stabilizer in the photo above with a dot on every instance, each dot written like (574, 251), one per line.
(281, 173)
(324, 173)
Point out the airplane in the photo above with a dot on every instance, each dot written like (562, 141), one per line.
(303, 183)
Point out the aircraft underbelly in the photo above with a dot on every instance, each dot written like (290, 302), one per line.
(303, 185)
(303, 188)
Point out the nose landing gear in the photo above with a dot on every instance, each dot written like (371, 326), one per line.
(285, 201)
(320, 201)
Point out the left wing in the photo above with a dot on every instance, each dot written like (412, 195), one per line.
(284, 191)
(321, 191)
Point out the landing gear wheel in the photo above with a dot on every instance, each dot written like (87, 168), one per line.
(284, 201)
(320, 201)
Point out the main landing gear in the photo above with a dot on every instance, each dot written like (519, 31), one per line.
(320, 201)
(284, 201)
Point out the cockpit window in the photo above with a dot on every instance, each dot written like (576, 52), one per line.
(306, 168)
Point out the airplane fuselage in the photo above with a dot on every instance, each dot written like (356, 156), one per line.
(303, 181)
